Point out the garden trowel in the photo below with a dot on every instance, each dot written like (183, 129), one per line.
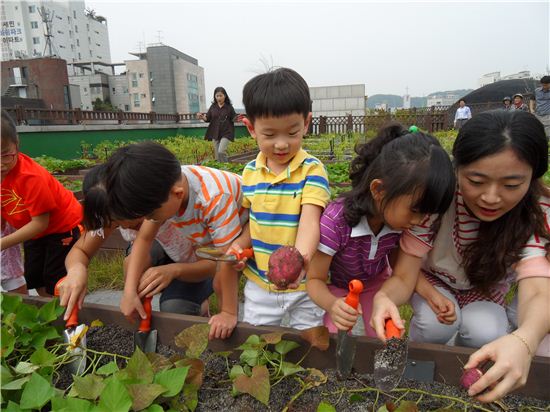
(345, 345)
(145, 338)
(75, 336)
(390, 362)
(212, 253)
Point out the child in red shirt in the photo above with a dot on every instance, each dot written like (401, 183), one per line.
(46, 216)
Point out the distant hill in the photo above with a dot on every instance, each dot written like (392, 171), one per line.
(393, 100)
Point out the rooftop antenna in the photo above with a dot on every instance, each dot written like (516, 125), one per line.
(159, 36)
(47, 18)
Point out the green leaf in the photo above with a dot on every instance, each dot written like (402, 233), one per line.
(193, 339)
(25, 368)
(236, 370)
(37, 392)
(191, 396)
(26, 316)
(407, 406)
(252, 342)
(5, 374)
(60, 404)
(172, 380)
(16, 384)
(356, 398)
(272, 338)
(256, 385)
(139, 367)
(315, 378)
(143, 395)
(225, 354)
(290, 368)
(40, 336)
(158, 362)
(154, 408)
(12, 407)
(325, 407)
(285, 346)
(10, 303)
(89, 386)
(108, 369)
(115, 397)
(43, 357)
(8, 342)
(250, 357)
(50, 311)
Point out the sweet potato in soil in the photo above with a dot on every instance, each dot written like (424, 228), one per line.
(215, 394)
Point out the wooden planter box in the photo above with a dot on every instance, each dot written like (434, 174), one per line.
(448, 359)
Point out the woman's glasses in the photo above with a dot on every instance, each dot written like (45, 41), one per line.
(8, 157)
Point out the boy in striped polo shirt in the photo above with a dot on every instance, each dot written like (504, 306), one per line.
(285, 190)
(147, 180)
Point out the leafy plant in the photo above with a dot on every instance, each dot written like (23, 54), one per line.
(54, 165)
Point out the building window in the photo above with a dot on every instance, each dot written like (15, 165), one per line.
(134, 80)
(71, 34)
(136, 100)
(126, 108)
(143, 95)
(85, 89)
(24, 72)
(114, 90)
(34, 24)
(36, 40)
(32, 9)
(91, 54)
(79, 56)
(124, 90)
(141, 75)
(69, 19)
(72, 47)
(74, 14)
(87, 27)
(76, 29)
(78, 42)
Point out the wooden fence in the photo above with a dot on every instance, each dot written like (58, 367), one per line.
(432, 119)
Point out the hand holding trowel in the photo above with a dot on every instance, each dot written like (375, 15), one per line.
(75, 336)
(145, 338)
(390, 362)
(345, 345)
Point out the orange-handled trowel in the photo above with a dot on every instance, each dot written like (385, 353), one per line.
(75, 336)
(144, 337)
(345, 345)
(390, 362)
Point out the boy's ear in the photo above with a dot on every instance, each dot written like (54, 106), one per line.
(377, 189)
(178, 190)
(307, 122)
(249, 127)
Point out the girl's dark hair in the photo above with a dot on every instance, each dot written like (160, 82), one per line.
(276, 93)
(500, 242)
(222, 90)
(95, 200)
(138, 179)
(8, 128)
(407, 163)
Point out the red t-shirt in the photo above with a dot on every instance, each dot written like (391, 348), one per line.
(30, 190)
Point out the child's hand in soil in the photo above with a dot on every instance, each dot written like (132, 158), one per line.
(72, 291)
(222, 325)
(130, 304)
(509, 371)
(443, 307)
(154, 280)
(343, 315)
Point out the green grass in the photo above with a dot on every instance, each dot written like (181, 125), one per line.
(105, 271)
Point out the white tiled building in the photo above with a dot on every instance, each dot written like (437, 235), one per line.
(338, 100)
(77, 36)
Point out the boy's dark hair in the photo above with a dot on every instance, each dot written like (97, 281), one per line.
(276, 93)
(545, 79)
(221, 90)
(8, 128)
(407, 163)
(462, 100)
(95, 201)
(499, 243)
(138, 179)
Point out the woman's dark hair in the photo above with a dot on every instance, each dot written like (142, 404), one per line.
(276, 93)
(8, 128)
(95, 201)
(221, 90)
(500, 242)
(407, 163)
(138, 179)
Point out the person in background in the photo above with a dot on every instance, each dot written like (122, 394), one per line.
(518, 103)
(221, 116)
(507, 102)
(462, 115)
(12, 274)
(44, 213)
(540, 104)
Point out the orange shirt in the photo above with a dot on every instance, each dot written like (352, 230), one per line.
(30, 190)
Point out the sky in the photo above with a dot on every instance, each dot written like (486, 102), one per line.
(389, 46)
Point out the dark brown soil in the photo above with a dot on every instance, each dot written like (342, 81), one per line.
(215, 394)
